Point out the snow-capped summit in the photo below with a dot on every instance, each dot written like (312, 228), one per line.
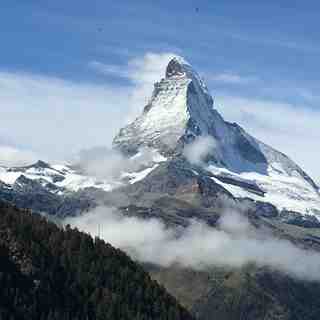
(176, 67)
(180, 110)
(180, 106)
(179, 67)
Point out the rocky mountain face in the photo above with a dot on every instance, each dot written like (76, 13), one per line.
(185, 162)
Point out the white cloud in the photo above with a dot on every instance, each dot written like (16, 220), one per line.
(142, 72)
(231, 78)
(276, 42)
(105, 163)
(58, 117)
(197, 151)
(146, 69)
(235, 243)
(109, 69)
(11, 156)
(150, 68)
(101, 162)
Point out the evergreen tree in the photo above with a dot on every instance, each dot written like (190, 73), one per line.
(47, 273)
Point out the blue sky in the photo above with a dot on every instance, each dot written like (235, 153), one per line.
(254, 53)
(276, 42)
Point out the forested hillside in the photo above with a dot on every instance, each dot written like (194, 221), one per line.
(49, 273)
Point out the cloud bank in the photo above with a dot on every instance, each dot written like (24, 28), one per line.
(12, 156)
(197, 151)
(107, 163)
(199, 246)
(56, 117)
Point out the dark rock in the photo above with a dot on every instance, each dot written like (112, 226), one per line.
(259, 208)
(297, 219)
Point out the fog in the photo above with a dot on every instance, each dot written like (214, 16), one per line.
(234, 243)
(106, 163)
(11, 156)
(197, 151)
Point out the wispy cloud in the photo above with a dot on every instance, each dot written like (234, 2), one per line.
(109, 69)
(230, 78)
(56, 117)
(141, 72)
(197, 151)
(106, 163)
(12, 156)
(266, 40)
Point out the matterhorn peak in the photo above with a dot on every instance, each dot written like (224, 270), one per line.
(177, 66)
(181, 110)
(180, 105)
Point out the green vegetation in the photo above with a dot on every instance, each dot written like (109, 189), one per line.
(49, 273)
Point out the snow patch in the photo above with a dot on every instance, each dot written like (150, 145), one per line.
(285, 192)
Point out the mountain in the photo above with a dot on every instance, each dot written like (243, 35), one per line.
(57, 178)
(181, 110)
(178, 115)
(50, 273)
(180, 161)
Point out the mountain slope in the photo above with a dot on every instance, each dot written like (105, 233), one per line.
(248, 293)
(48, 273)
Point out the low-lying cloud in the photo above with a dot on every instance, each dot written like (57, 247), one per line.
(197, 151)
(12, 156)
(107, 163)
(234, 244)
